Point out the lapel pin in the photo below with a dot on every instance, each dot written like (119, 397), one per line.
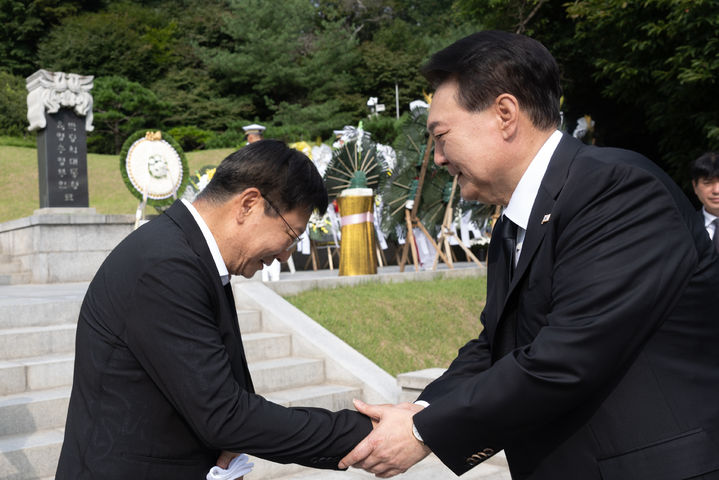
(545, 219)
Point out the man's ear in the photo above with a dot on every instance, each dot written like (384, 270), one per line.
(506, 108)
(245, 202)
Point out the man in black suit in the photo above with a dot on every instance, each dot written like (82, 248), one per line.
(161, 383)
(705, 180)
(598, 358)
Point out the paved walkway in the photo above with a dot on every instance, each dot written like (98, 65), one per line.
(428, 469)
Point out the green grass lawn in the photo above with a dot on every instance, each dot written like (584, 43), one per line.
(19, 191)
(401, 326)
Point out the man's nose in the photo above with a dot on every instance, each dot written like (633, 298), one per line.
(439, 159)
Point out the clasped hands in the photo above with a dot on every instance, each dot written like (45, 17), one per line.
(391, 448)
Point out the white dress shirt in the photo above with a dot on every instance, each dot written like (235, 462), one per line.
(211, 243)
(709, 223)
(522, 200)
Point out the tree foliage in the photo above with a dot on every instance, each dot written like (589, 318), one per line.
(662, 58)
(645, 70)
(128, 40)
(25, 23)
(121, 107)
(13, 120)
(285, 61)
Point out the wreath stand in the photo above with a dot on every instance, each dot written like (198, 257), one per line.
(447, 232)
(332, 250)
(413, 221)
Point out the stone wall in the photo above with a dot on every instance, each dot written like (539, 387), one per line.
(59, 245)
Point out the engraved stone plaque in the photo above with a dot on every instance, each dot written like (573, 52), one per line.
(62, 161)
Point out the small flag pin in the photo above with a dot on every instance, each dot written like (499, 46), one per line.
(545, 219)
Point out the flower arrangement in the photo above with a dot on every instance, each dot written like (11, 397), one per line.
(198, 182)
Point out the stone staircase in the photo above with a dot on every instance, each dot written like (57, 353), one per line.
(36, 363)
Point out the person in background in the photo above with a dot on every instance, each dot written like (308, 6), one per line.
(705, 180)
(254, 132)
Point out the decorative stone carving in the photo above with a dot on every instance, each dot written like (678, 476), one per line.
(51, 91)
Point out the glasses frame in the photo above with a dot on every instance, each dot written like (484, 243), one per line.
(296, 238)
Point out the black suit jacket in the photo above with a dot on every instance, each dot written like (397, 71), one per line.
(161, 383)
(615, 368)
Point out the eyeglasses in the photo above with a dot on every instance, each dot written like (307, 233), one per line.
(295, 237)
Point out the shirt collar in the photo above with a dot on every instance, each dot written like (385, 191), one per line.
(211, 243)
(520, 204)
(708, 217)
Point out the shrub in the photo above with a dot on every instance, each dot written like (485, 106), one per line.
(13, 105)
(190, 137)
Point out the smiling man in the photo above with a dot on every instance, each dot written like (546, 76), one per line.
(598, 356)
(161, 383)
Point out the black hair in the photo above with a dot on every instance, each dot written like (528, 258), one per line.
(706, 166)
(489, 63)
(284, 176)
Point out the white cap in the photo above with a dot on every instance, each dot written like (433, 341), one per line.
(254, 128)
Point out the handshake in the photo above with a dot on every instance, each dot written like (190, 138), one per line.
(392, 447)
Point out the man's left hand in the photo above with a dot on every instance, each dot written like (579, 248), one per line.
(391, 448)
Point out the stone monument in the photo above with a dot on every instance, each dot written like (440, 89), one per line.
(59, 107)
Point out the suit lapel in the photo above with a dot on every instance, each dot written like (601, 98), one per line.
(541, 216)
(539, 221)
(184, 219)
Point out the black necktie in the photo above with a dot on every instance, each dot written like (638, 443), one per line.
(506, 232)
(509, 244)
(716, 234)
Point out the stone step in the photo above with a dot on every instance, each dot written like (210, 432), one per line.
(431, 468)
(329, 396)
(36, 373)
(24, 312)
(250, 321)
(265, 345)
(19, 453)
(29, 312)
(19, 278)
(36, 341)
(31, 411)
(266, 470)
(31, 456)
(283, 373)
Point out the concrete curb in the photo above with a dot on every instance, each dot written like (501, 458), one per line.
(343, 364)
(292, 284)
